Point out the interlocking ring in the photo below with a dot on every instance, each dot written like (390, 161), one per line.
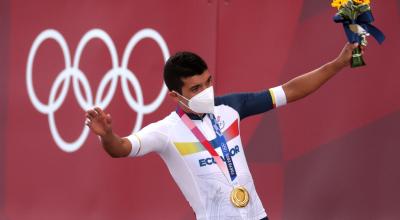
(72, 71)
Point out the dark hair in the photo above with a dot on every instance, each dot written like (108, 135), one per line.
(182, 65)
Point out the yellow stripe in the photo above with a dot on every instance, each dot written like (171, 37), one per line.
(189, 148)
(140, 144)
(273, 97)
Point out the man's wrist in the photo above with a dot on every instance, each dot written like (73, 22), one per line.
(337, 65)
(108, 135)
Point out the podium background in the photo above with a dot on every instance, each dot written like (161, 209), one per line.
(333, 155)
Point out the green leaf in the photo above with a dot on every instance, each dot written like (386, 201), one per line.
(346, 11)
(364, 8)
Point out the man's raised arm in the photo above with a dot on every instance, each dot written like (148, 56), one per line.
(307, 83)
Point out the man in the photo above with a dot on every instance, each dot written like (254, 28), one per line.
(200, 141)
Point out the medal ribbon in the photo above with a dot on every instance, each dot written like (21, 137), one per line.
(221, 141)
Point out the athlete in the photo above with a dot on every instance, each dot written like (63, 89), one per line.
(200, 140)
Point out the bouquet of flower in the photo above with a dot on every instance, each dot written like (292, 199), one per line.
(356, 17)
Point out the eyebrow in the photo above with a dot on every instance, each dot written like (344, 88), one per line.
(198, 85)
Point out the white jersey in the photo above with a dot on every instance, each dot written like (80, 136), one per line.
(192, 167)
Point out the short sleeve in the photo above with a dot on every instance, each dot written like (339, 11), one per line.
(248, 104)
(152, 138)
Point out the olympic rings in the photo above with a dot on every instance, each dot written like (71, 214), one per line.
(72, 71)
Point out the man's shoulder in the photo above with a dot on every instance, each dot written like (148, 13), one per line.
(232, 100)
(226, 111)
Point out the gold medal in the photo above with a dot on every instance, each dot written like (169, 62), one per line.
(240, 197)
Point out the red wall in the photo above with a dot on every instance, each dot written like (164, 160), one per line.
(332, 155)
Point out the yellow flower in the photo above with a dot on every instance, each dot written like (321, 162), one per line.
(367, 2)
(339, 3)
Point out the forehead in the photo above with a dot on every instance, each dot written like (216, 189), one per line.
(196, 79)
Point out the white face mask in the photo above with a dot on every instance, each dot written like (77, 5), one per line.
(202, 102)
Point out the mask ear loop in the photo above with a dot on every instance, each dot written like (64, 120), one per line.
(183, 98)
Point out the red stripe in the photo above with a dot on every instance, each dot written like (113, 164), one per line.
(198, 134)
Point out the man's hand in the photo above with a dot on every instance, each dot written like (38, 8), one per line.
(346, 54)
(98, 121)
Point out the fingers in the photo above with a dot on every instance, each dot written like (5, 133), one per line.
(100, 112)
(351, 47)
(363, 49)
(90, 116)
(93, 115)
(354, 46)
(108, 118)
(88, 122)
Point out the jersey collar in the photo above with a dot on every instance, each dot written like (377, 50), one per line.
(193, 116)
